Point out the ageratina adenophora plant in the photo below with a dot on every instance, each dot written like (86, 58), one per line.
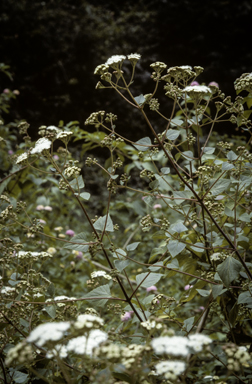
(147, 280)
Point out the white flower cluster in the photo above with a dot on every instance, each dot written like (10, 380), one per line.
(33, 255)
(115, 60)
(151, 325)
(59, 350)
(41, 145)
(100, 274)
(58, 298)
(22, 158)
(237, 356)
(170, 369)
(48, 332)
(197, 89)
(64, 135)
(7, 290)
(111, 352)
(84, 345)
(179, 345)
(86, 321)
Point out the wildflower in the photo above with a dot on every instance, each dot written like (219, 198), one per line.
(87, 321)
(84, 345)
(176, 345)
(48, 208)
(48, 332)
(42, 221)
(198, 341)
(213, 84)
(51, 250)
(133, 58)
(70, 232)
(100, 274)
(10, 152)
(58, 229)
(7, 290)
(58, 350)
(151, 288)
(151, 325)
(156, 206)
(41, 145)
(6, 91)
(127, 316)
(215, 256)
(56, 157)
(114, 60)
(40, 207)
(197, 89)
(62, 236)
(186, 67)
(101, 69)
(187, 287)
(78, 254)
(194, 83)
(21, 353)
(16, 92)
(22, 158)
(170, 368)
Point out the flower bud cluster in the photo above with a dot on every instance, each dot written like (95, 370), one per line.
(145, 173)
(112, 186)
(164, 224)
(173, 91)
(154, 105)
(124, 178)
(151, 325)
(23, 127)
(244, 82)
(89, 161)
(21, 353)
(63, 186)
(110, 117)
(236, 357)
(8, 213)
(72, 171)
(146, 223)
(96, 118)
(191, 139)
(179, 74)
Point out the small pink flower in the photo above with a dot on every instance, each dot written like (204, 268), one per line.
(6, 91)
(42, 221)
(79, 256)
(202, 308)
(156, 206)
(40, 207)
(70, 232)
(127, 316)
(187, 287)
(194, 83)
(213, 84)
(143, 197)
(152, 288)
(56, 157)
(48, 208)
(10, 152)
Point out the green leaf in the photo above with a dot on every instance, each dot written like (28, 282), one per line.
(229, 270)
(227, 166)
(220, 186)
(140, 99)
(51, 310)
(218, 290)
(132, 246)
(20, 377)
(150, 280)
(179, 227)
(188, 323)
(197, 249)
(77, 183)
(99, 293)
(85, 195)
(231, 156)
(172, 134)
(165, 170)
(121, 264)
(203, 292)
(175, 247)
(188, 155)
(209, 150)
(80, 238)
(119, 253)
(245, 298)
(100, 224)
(51, 290)
(123, 377)
(176, 121)
(144, 141)
(154, 267)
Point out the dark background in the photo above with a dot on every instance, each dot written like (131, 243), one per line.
(53, 47)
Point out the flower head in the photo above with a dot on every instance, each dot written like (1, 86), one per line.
(151, 288)
(213, 84)
(197, 89)
(127, 316)
(84, 345)
(48, 332)
(194, 83)
(156, 206)
(115, 60)
(22, 158)
(100, 274)
(41, 145)
(70, 232)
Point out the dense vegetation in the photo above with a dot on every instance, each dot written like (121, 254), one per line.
(147, 279)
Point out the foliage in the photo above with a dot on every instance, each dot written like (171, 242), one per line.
(149, 281)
